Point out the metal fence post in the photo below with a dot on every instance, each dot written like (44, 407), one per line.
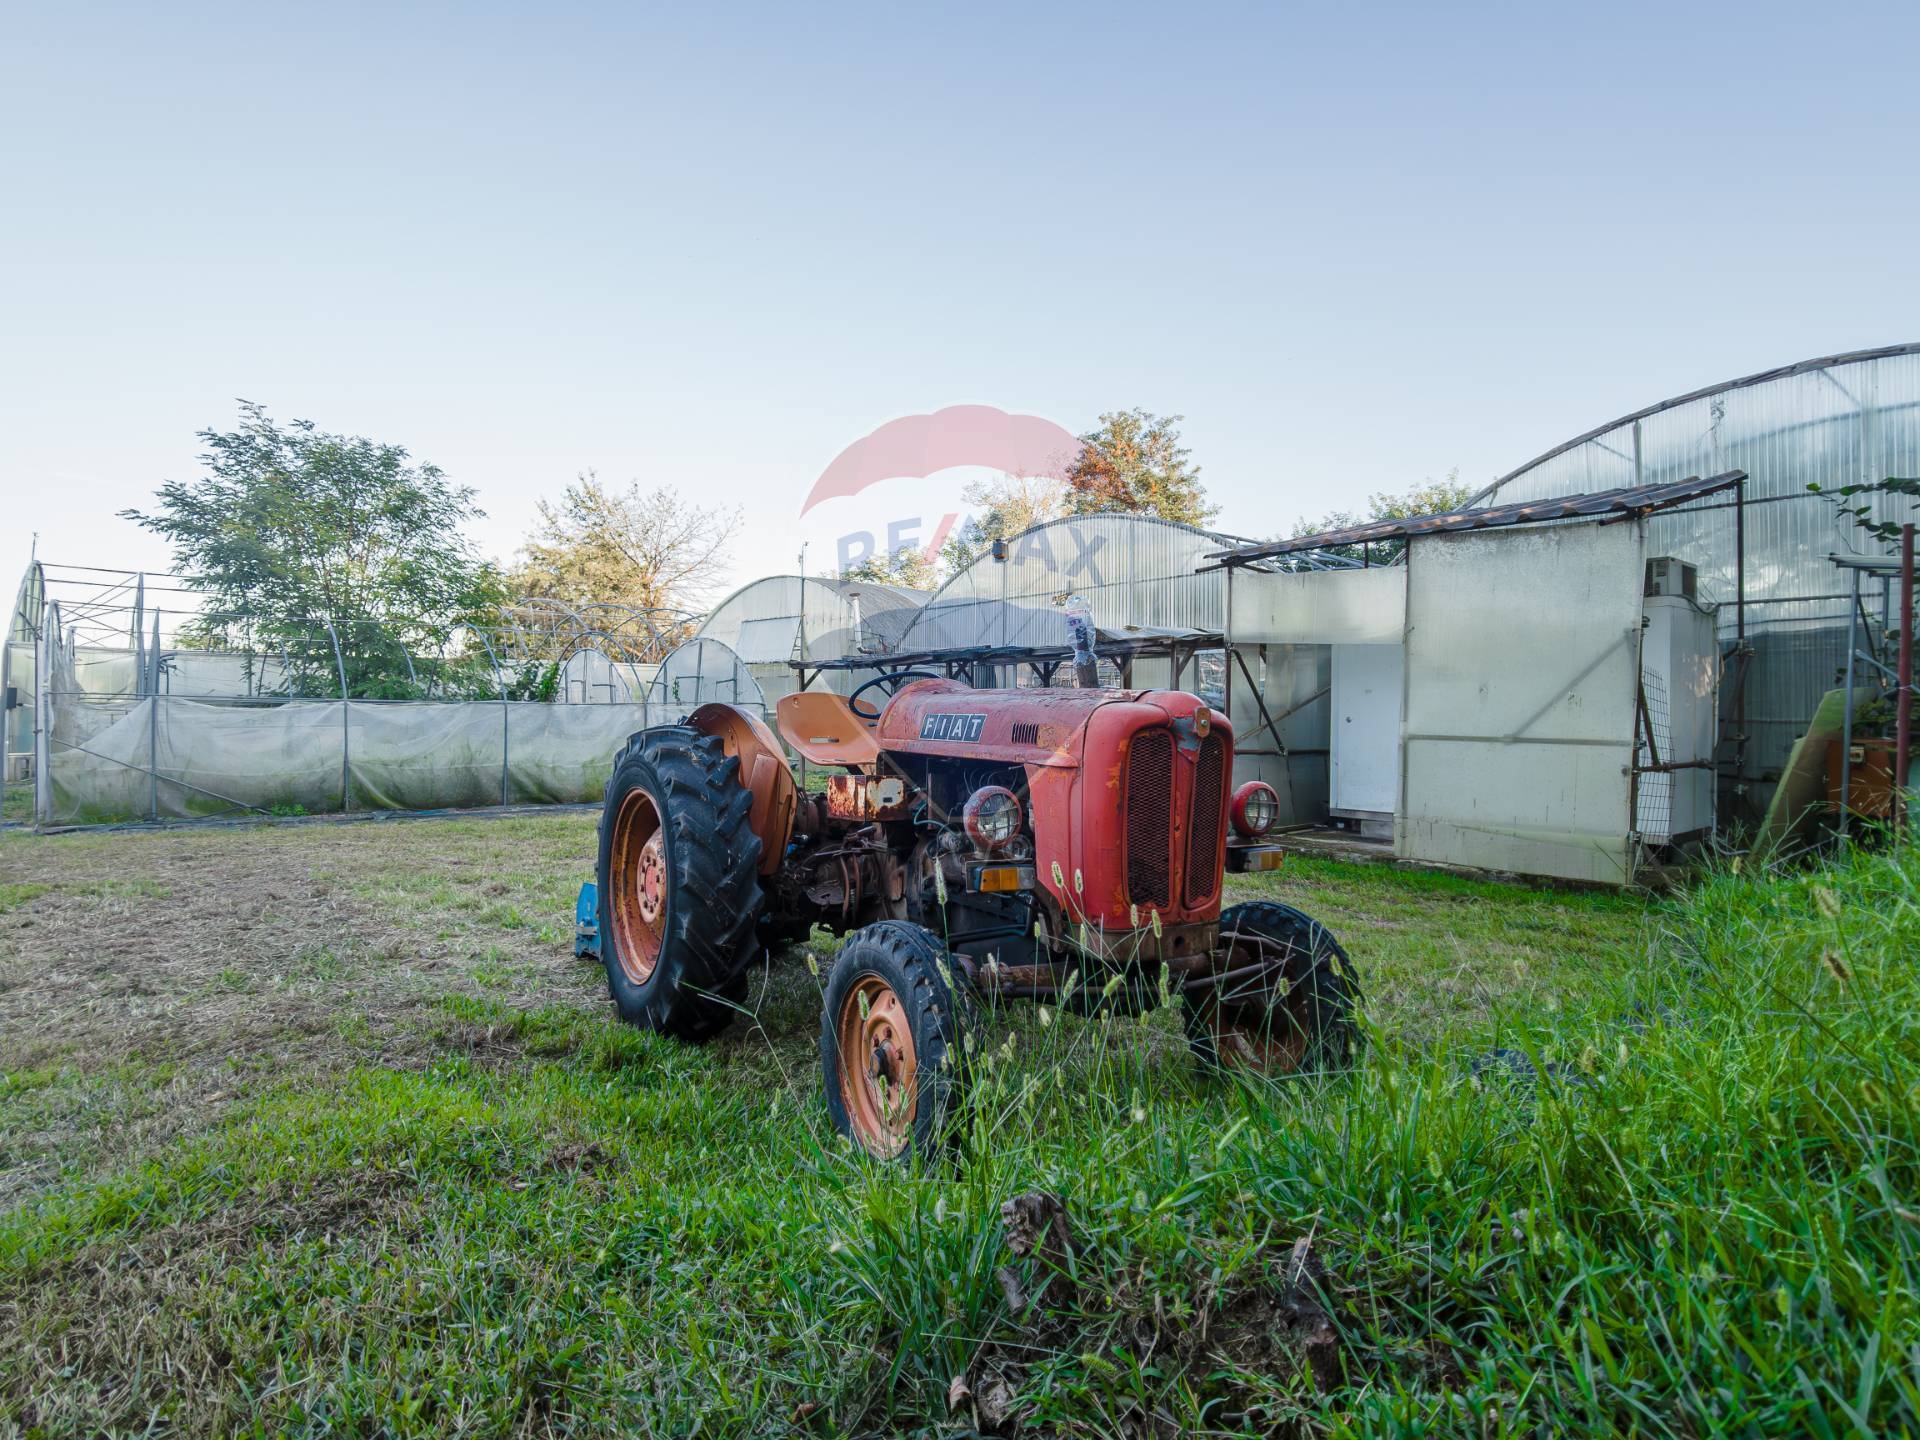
(150, 682)
(43, 713)
(1846, 720)
(346, 722)
(153, 755)
(506, 715)
(1903, 716)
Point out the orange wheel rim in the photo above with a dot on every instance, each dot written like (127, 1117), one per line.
(879, 1068)
(1267, 1035)
(1259, 1041)
(638, 877)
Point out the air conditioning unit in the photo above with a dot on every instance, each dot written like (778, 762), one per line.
(1668, 576)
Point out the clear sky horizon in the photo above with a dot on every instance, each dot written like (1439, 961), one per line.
(712, 246)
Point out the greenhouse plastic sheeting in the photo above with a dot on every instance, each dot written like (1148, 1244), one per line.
(702, 671)
(110, 761)
(592, 677)
(1135, 572)
(776, 618)
(1519, 735)
(1321, 607)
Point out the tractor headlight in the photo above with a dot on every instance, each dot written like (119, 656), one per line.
(992, 817)
(1255, 808)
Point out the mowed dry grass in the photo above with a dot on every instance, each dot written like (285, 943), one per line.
(147, 978)
(150, 979)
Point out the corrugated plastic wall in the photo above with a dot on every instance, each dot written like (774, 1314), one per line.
(1831, 423)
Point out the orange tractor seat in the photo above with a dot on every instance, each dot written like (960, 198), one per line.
(822, 726)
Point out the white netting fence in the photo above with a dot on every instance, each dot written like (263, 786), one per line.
(118, 717)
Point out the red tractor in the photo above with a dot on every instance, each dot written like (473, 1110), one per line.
(1055, 845)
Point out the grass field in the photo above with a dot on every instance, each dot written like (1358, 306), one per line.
(321, 1129)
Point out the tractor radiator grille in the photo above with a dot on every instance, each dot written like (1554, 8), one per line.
(1149, 813)
(1203, 836)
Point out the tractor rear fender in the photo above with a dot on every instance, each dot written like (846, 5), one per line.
(763, 773)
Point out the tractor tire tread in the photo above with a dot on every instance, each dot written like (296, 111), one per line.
(1332, 984)
(715, 896)
(938, 1011)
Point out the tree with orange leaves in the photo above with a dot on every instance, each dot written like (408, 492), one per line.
(1134, 464)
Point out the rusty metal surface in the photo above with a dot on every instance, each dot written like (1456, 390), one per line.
(1182, 949)
(1623, 501)
(1173, 946)
(1022, 727)
(867, 797)
(859, 878)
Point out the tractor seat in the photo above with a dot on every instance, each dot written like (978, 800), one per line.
(822, 727)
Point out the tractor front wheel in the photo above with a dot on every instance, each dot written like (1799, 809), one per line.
(679, 884)
(891, 1053)
(1280, 1001)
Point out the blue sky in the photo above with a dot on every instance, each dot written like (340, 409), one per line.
(711, 246)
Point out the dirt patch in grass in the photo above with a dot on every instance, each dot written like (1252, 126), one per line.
(195, 967)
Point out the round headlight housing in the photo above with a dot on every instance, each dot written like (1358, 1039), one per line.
(1255, 809)
(992, 817)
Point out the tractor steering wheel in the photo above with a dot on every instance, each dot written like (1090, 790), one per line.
(891, 681)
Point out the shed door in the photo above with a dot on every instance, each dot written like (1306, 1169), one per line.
(1365, 739)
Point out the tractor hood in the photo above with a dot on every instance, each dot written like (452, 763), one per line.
(1022, 727)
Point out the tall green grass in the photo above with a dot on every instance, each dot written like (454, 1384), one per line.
(1690, 1209)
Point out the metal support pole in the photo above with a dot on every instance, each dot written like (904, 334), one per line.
(346, 722)
(153, 721)
(1903, 712)
(9, 726)
(1226, 640)
(506, 715)
(153, 755)
(1846, 721)
(136, 632)
(43, 713)
(1740, 636)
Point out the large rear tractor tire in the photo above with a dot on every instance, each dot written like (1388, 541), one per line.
(679, 884)
(1294, 1015)
(891, 1041)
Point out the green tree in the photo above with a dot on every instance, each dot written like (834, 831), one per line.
(1009, 505)
(1134, 463)
(910, 566)
(1430, 497)
(646, 548)
(292, 529)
